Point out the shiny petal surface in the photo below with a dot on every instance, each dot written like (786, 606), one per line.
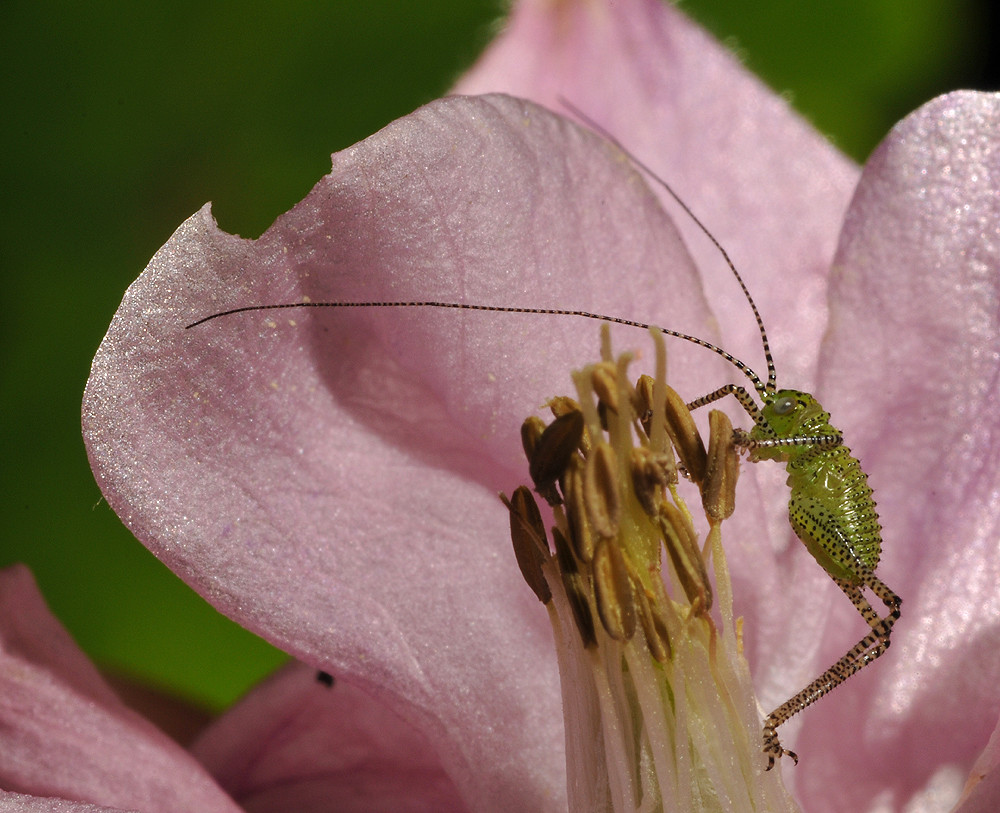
(767, 185)
(20, 803)
(912, 369)
(329, 479)
(64, 734)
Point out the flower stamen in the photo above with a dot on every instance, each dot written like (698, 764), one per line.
(658, 705)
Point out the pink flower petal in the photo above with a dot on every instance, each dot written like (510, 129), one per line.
(329, 479)
(297, 744)
(63, 734)
(911, 368)
(20, 803)
(982, 790)
(769, 187)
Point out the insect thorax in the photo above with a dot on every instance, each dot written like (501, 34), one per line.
(789, 414)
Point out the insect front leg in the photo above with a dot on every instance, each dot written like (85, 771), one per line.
(860, 655)
(745, 442)
(741, 395)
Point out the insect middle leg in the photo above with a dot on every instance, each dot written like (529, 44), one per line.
(859, 656)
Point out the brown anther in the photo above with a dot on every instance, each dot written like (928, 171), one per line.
(580, 535)
(718, 492)
(531, 432)
(613, 591)
(604, 380)
(557, 444)
(603, 411)
(527, 532)
(681, 543)
(600, 490)
(562, 405)
(684, 436)
(576, 590)
(653, 626)
(642, 402)
(651, 473)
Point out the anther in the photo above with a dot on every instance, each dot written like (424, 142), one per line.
(613, 591)
(600, 490)
(531, 432)
(576, 590)
(653, 626)
(562, 405)
(527, 533)
(718, 491)
(684, 436)
(557, 444)
(642, 402)
(651, 473)
(604, 379)
(580, 535)
(682, 547)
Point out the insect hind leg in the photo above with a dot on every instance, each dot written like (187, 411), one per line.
(860, 655)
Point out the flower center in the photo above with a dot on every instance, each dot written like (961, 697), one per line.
(658, 706)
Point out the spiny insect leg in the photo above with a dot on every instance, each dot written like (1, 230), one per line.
(890, 599)
(859, 656)
(741, 395)
(743, 441)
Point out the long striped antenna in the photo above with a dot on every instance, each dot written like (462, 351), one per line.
(772, 375)
(761, 388)
(744, 368)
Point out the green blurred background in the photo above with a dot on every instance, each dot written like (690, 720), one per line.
(124, 118)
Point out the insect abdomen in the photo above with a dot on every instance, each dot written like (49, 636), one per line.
(832, 511)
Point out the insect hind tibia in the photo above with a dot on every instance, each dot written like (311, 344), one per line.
(860, 655)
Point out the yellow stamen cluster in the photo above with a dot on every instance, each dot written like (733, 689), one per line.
(658, 705)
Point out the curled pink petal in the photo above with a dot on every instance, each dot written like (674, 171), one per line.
(63, 735)
(297, 743)
(982, 788)
(329, 479)
(911, 367)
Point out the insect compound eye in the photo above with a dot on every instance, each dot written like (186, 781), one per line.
(784, 405)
